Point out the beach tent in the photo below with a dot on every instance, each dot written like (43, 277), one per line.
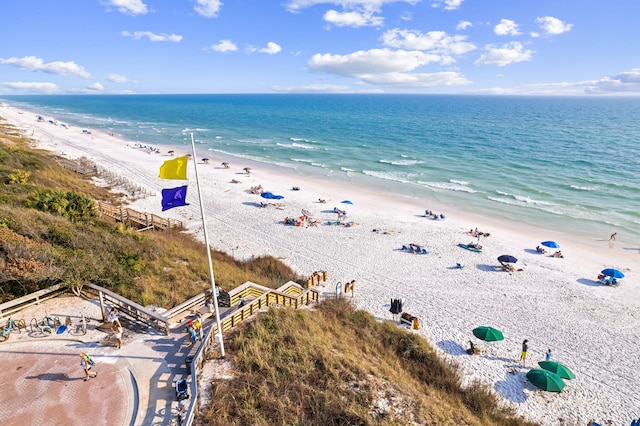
(271, 196)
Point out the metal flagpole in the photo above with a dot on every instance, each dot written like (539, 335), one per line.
(206, 242)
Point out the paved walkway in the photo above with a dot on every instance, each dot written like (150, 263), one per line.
(43, 383)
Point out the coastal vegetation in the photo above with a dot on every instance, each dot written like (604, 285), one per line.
(335, 365)
(329, 365)
(50, 234)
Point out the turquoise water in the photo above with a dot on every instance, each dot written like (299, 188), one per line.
(569, 164)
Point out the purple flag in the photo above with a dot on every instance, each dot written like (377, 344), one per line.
(174, 197)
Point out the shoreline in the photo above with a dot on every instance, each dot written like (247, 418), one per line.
(555, 303)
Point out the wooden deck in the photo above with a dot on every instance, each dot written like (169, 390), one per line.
(142, 221)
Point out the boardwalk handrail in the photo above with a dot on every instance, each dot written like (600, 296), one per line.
(142, 219)
(131, 309)
(15, 305)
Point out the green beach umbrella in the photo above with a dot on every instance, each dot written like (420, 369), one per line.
(488, 334)
(545, 380)
(560, 369)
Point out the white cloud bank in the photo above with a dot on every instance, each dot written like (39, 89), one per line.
(386, 67)
(434, 41)
(32, 87)
(33, 63)
(137, 35)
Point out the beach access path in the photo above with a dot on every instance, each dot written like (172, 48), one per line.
(43, 383)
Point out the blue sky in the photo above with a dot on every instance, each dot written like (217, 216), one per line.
(570, 47)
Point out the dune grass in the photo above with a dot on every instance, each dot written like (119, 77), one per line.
(335, 365)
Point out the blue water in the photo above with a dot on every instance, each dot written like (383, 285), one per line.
(569, 164)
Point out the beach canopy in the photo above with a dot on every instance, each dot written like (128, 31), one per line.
(346, 202)
(560, 369)
(610, 272)
(271, 196)
(545, 380)
(550, 244)
(505, 258)
(488, 334)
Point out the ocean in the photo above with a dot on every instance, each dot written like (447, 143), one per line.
(569, 164)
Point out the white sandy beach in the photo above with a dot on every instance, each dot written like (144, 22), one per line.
(554, 303)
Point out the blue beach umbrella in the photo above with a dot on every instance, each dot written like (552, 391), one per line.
(550, 244)
(610, 272)
(346, 202)
(505, 258)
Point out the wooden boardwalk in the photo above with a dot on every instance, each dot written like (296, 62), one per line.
(142, 221)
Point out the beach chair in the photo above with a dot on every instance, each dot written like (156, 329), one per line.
(424, 251)
(459, 265)
(405, 248)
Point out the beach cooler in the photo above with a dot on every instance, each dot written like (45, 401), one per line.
(410, 321)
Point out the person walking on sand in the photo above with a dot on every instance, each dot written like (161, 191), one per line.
(548, 355)
(613, 236)
(525, 349)
(86, 362)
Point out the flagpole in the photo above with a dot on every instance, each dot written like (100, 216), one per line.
(206, 242)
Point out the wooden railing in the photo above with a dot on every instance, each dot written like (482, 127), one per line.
(9, 308)
(138, 219)
(130, 308)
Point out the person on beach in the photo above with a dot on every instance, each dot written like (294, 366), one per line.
(209, 304)
(116, 327)
(613, 236)
(525, 349)
(548, 355)
(86, 362)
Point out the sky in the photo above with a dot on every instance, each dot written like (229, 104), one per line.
(511, 47)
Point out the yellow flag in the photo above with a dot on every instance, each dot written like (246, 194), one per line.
(174, 169)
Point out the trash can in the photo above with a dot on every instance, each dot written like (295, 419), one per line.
(188, 361)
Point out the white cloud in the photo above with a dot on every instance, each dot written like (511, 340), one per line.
(386, 67)
(452, 4)
(434, 41)
(208, 8)
(33, 63)
(131, 7)
(224, 46)
(313, 88)
(463, 25)
(95, 87)
(624, 82)
(553, 26)
(406, 16)
(117, 78)
(505, 55)
(32, 86)
(535, 34)
(353, 19)
(506, 27)
(271, 49)
(297, 5)
(137, 35)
